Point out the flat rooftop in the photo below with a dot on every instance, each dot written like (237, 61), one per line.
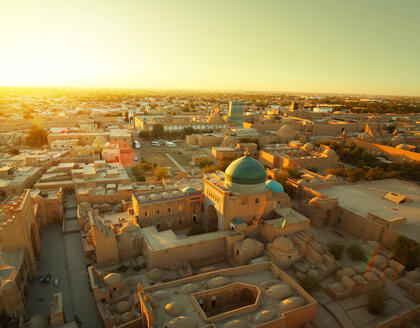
(167, 239)
(368, 197)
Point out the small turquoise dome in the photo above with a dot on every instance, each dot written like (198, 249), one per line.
(274, 186)
(237, 220)
(188, 189)
(245, 171)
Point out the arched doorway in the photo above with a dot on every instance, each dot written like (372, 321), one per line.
(212, 219)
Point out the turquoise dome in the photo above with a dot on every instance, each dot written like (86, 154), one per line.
(245, 171)
(188, 189)
(274, 186)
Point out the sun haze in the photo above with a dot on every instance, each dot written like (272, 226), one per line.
(323, 46)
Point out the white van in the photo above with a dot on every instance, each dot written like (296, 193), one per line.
(156, 143)
(170, 144)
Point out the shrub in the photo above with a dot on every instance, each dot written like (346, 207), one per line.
(336, 249)
(355, 252)
(161, 172)
(205, 162)
(196, 230)
(14, 151)
(310, 283)
(209, 169)
(377, 301)
(406, 252)
(122, 268)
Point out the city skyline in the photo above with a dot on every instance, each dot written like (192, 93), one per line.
(277, 46)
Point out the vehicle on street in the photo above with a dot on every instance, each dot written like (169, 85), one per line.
(170, 144)
(155, 143)
(136, 144)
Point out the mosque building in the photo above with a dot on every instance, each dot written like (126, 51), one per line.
(241, 195)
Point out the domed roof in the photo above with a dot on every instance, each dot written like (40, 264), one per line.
(274, 186)
(218, 282)
(235, 324)
(283, 244)
(129, 227)
(308, 146)
(329, 151)
(161, 295)
(189, 188)
(264, 316)
(279, 291)
(181, 322)
(291, 303)
(128, 316)
(364, 136)
(100, 141)
(156, 274)
(189, 288)
(286, 131)
(331, 177)
(245, 171)
(403, 146)
(174, 308)
(249, 243)
(112, 279)
(122, 307)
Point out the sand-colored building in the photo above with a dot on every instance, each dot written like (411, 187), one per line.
(243, 192)
(20, 246)
(260, 294)
(170, 209)
(305, 156)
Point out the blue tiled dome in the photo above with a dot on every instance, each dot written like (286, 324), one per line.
(274, 186)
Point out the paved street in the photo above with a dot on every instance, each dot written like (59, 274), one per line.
(63, 256)
(53, 260)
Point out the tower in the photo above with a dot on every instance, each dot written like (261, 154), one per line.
(235, 115)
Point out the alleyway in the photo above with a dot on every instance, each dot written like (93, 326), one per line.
(63, 256)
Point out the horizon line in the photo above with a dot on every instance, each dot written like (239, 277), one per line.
(209, 90)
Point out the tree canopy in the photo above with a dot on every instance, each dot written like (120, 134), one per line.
(36, 137)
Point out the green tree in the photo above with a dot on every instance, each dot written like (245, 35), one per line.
(138, 172)
(209, 169)
(310, 283)
(355, 252)
(406, 251)
(161, 172)
(36, 137)
(205, 162)
(188, 130)
(336, 249)
(158, 131)
(14, 151)
(376, 301)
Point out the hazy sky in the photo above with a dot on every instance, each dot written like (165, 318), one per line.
(362, 46)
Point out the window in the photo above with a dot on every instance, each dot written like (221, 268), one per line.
(256, 200)
(169, 210)
(194, 218)
(180, 221)
(158, 225)
(157, 211)
(237, 252)
(145, 213)
(213, 301)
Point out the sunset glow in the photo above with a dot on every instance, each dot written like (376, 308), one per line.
(327, 46)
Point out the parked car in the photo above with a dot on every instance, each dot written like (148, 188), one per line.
(170, 144)
(155, 143)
